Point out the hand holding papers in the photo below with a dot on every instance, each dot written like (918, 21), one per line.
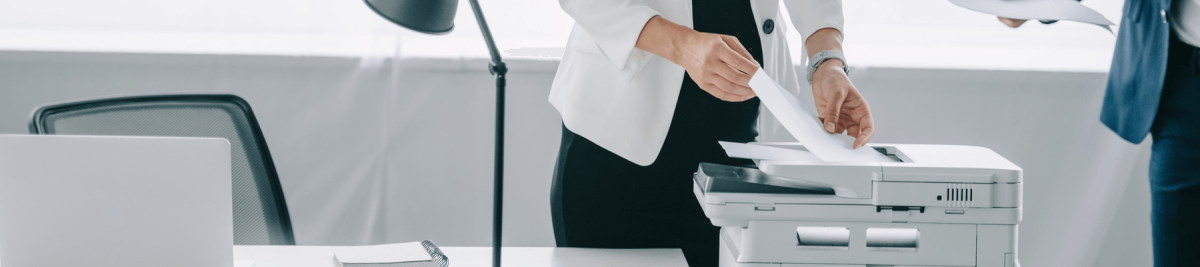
(1037, 9)
(806, 128)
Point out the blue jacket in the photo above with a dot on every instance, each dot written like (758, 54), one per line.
(1139, 67)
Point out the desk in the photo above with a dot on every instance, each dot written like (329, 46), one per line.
(322, 256)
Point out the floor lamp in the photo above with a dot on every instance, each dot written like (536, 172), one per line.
(437, 17)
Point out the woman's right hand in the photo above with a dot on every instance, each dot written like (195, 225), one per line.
(719, 64)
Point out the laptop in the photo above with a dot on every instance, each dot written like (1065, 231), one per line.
(115, 201)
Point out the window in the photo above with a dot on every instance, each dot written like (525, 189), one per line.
(915, 34)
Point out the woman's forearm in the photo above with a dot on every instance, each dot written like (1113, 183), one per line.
(824, 39)
(839, 104)
(717, 63)
(663, 38)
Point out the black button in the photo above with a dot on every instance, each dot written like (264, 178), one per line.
(769, 26)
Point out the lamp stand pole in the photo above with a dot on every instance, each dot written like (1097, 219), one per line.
(496, 67)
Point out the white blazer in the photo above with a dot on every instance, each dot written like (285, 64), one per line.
(623, 98)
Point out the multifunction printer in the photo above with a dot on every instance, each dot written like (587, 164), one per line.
(932, 205)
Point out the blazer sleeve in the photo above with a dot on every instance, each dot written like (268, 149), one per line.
(615, 27)
(808, 16)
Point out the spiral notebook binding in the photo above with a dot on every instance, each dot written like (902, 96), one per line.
(435, 253)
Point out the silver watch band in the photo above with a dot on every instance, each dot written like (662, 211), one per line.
(821, 57)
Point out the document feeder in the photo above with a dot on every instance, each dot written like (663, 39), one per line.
(937, 205)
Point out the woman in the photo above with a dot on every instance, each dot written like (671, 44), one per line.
(646, 88)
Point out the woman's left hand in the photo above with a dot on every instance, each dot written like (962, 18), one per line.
(839, 105)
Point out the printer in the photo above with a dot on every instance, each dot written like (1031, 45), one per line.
(933, 205)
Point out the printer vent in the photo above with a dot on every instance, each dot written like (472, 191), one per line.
(959, 195)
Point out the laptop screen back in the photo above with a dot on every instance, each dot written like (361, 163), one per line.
(115, 201)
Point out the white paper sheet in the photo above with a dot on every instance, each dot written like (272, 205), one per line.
(1037, 9)
(237, 263)
(806, 128)
(387, 253)
(752, 151)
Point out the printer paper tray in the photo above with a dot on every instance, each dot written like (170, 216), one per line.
(781, 242)
(939, 244)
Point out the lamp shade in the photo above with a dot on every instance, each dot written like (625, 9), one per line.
(426, 16)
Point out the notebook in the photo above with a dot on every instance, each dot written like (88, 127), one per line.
(411, 254)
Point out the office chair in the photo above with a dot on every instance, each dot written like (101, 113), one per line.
(260, 214)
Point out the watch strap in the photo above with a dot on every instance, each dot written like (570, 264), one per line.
(821, 57)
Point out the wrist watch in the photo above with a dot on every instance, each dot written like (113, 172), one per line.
(821, 57)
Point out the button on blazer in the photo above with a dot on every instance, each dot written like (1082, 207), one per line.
(623, 98)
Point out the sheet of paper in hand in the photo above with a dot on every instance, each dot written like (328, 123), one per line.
(1037, 9)
(807, 128)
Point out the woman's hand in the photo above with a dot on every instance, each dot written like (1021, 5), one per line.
(839, 105)
(717, 63)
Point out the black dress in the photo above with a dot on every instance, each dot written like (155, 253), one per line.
(601, 200)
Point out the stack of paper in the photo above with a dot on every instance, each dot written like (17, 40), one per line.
(804, 127)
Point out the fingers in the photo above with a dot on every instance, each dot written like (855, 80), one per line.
(834, 111)
(865, 133)
(864, 127)
(723, 68)
(738, 83)
(733, 58)
(847, 119)
(737, 92)
(852, 130)
(725, 96)
(737, 47)
(737, 71)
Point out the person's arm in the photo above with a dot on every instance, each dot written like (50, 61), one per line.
(839, 105)
(614, 27)
(628, 31)
(717, 63)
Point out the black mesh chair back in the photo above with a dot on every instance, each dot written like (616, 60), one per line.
(260, 214)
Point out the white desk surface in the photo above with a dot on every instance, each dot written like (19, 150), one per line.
(322, 256)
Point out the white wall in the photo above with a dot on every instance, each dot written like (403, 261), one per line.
(371, 150)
